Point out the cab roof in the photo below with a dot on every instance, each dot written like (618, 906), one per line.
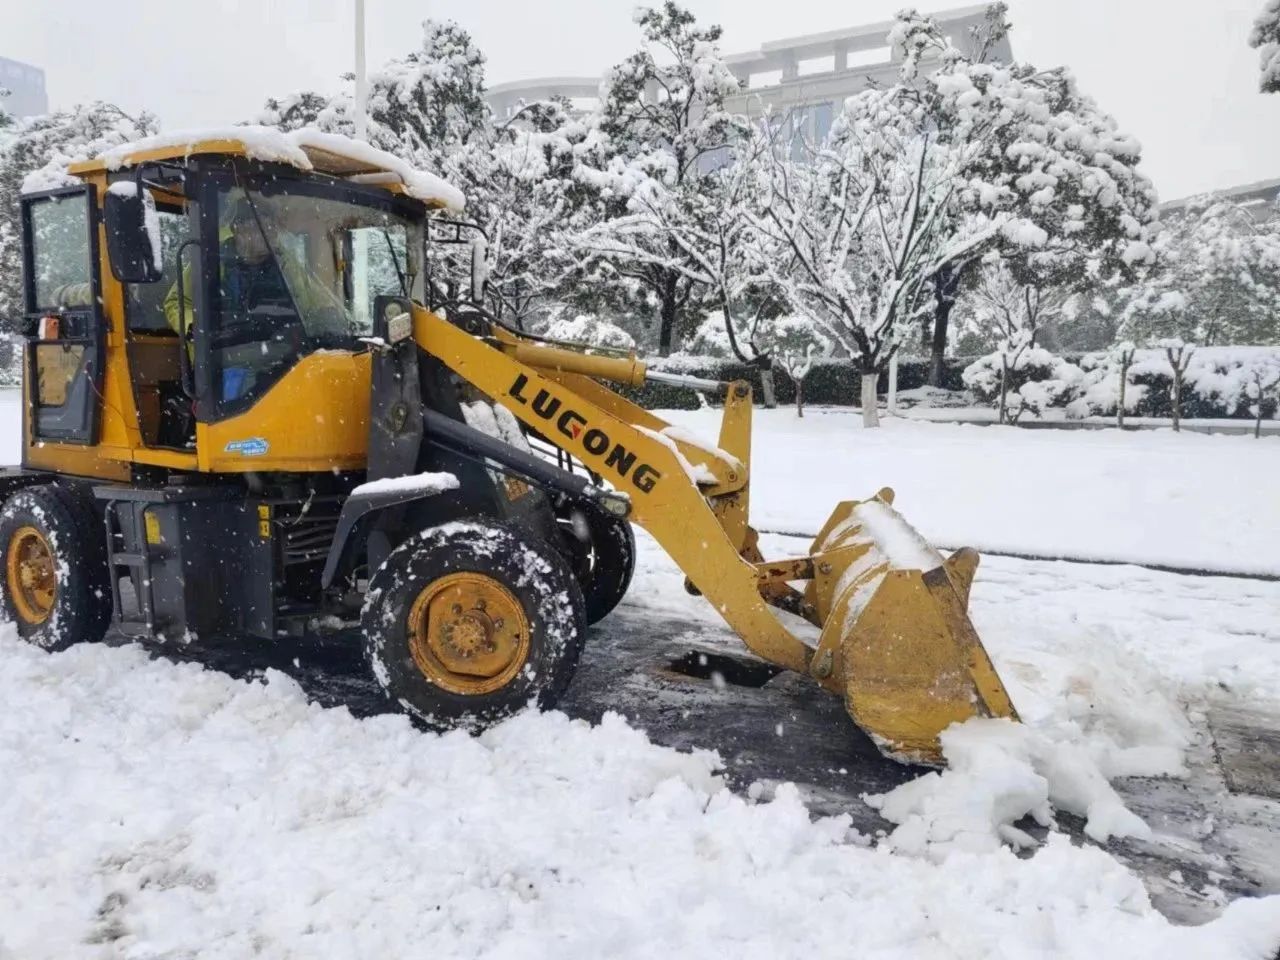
(306, 149)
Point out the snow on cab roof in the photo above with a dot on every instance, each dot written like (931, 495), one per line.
(306, 149)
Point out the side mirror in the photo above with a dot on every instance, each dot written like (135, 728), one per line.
(134, 247)
(479, 269)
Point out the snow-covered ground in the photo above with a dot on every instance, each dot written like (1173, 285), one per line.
(1186, 500)
(161, 810)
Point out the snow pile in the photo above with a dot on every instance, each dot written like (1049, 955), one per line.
(278, 146)
(893, 537)
(998, 772)
(697, 472)
(154, 809)
(1088, 718)
(495, 420)
(425, 484)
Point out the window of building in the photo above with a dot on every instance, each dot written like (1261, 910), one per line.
(825, 64)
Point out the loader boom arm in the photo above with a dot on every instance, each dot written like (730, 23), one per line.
(895, 638)
(659, 473)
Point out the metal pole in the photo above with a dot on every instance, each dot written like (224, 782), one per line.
(362, 93)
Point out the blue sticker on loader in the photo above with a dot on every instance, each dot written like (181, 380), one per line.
(253, 447)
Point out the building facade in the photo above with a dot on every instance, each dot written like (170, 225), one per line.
(25, 83)
(802, 81)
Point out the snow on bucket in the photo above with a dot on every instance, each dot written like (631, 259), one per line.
(896, 634)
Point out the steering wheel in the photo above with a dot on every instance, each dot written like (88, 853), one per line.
(265, 322)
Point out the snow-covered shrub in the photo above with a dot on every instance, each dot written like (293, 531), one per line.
(793, 343)
(1261, 388)
(1108, 376)
(589, 330)
(1037, 380)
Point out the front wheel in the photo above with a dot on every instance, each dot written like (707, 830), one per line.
(468, 623)
(603, 552)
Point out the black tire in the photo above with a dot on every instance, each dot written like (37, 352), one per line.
(534, 577)
(603, 555)
(66, 522)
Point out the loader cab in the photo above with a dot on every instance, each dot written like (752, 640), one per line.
(240, 345)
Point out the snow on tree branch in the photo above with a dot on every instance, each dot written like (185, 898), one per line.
(1265, 38)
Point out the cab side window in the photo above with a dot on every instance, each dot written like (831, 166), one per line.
(61, 268)
(144, 305)
(62, 313)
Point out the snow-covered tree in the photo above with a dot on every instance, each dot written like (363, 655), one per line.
(1122, 356)
(716, 242)
(34, 157)
(1216, 279)
(425, 107)
(659, 131)
(1179, 354)
(1014, 312)
(1038, 149)
(860, 231)
(1265, 37)
(518, 175)
(532, 205)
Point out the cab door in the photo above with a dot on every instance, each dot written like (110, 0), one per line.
(64, 355)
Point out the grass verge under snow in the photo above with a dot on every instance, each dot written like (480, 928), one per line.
(154, 810)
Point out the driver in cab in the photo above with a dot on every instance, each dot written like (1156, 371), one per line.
(257, 299)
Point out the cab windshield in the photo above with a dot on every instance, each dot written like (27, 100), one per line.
(299, 267)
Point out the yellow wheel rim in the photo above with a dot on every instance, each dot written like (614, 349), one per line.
(31, 576)
(468, 634)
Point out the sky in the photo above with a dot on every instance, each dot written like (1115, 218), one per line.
(1178, 74)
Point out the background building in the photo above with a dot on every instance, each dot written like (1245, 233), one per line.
(1262, 199)
(25, 83)
(801, 80)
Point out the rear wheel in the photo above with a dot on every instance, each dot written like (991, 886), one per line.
(470, 622)
(603, 554)
(54, 586)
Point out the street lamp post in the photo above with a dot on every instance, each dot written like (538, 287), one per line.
(362, 92)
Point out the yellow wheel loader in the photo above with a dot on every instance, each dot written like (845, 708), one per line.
(248, 409)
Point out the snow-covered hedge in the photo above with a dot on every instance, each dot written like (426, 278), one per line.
(1216, 383)
(1219, 382)
(831, 382)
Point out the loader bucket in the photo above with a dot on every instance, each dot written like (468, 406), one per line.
(896, 636)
